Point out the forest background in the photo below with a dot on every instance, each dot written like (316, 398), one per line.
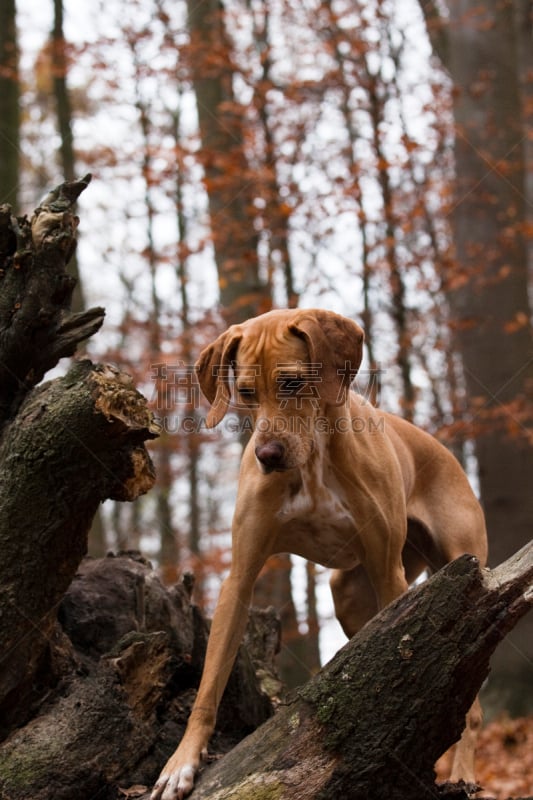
(371, 157)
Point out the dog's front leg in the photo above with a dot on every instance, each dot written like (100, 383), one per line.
(227, 629)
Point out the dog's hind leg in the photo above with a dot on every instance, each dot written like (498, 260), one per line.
(465, 749)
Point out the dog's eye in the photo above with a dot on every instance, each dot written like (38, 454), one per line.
(246, 392)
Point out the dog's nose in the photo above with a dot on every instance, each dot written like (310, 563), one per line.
(271, 455)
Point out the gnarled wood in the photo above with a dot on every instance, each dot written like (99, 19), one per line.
(75, 442)
(132, 656)
(65, 446)
(36, 326)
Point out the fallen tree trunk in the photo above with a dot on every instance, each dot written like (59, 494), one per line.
(372, 723)
(369, 725)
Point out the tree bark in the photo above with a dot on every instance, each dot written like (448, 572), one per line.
(373, 722)
(132, 653)
(37, 327)
(9, 105)
(75, 442)
(65, 446)
(67, 159)
(227, 175)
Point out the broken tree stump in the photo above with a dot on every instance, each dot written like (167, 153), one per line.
(74, 442)
(65, 445)
(36, 326)
(372, 723)
(136, 650)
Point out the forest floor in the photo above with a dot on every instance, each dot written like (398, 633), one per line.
(504, 759)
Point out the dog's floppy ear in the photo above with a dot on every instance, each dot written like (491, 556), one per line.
(335, 347)
(213, 370)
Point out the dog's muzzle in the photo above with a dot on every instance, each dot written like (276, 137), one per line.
(271, 456)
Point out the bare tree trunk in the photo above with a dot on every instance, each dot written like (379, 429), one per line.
(345, 86)
(524, 33)
(396, 278)
(9, 105)
(64, 124)
(488, 293)
(193, 438)
(163, 450)
(228, 179)
(312, 651)
(276, 213)
(274, 588)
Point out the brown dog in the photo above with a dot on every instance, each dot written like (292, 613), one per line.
(329, 477)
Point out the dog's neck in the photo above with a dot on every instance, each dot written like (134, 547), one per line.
(311, 485)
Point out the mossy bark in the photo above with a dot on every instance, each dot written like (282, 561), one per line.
(65, 446)
(373, 722)
(75, 442)
(133, 651)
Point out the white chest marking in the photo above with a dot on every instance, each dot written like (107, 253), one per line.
(314, 498)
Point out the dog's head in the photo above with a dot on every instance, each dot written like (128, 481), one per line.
(288, 366)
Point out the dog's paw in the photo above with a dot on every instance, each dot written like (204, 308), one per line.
(174, 784)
